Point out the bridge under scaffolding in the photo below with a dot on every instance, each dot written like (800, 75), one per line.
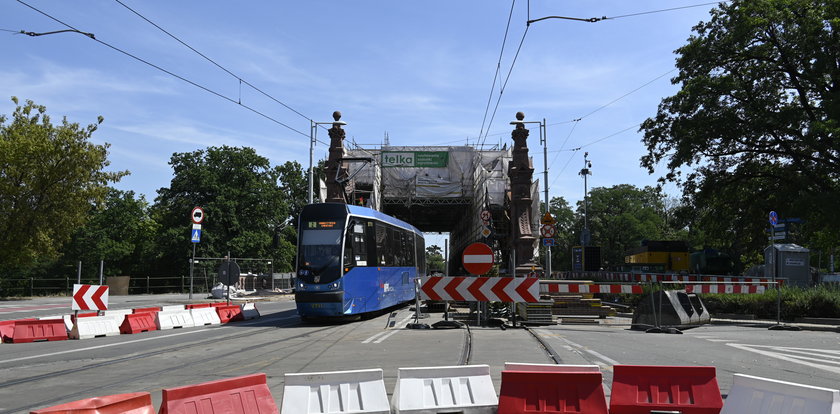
(443, 189)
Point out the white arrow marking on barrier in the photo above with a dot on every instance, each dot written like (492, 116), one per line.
(462, 289)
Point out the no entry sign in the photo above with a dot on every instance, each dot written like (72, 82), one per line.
(477, 258)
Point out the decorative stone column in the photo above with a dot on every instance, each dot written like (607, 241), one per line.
(521, 172)
(336, 191)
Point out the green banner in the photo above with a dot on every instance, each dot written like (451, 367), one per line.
(415, 159)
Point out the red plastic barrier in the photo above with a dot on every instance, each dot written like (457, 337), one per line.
(133, 403)
(551, 392)
(229, 313)
(218, 304)
(138, 322)
(638, 389)
(197, 306)
(7, 329)
(240, 395)
(39, 330)
(155, 309)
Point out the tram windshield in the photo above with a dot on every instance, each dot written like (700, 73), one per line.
(320, 255)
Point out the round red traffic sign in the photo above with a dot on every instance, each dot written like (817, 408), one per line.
(197, 215)
(478, 258)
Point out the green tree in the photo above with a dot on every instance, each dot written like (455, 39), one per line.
(620, 217)
(50, 175)
(434, 259)
(561, 253)
(120, 232)
(755, 124)
(243, 204)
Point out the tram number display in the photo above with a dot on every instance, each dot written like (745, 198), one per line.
(319, 225)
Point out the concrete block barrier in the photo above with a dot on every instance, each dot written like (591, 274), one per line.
(463, 389)
(640, 389)
(525, 367)
(574, 390)
(138, 322)
(229, 313)
(361, 391)
(94, 327)
(204, 316)
(133, 403)
(249, 311)
(174, 319)
(756, 395)
(241, 395)
(38, 330)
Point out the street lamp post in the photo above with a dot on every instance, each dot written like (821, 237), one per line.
(313, 134)
(585, 171)
(544, 143)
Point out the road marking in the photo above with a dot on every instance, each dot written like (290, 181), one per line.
(17, 309)
(603, 357)
(796, 355)
(70, 351)
(598, 355)
(387, 333)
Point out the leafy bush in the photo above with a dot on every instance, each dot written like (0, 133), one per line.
(817, 302)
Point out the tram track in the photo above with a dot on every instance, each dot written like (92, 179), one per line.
(295, 352)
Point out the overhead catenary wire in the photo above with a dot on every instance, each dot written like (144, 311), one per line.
(241, 81)
(603, 18)
(202, 87)
(498, 69)
(504, 84)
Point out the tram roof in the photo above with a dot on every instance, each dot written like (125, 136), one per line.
(378, 215)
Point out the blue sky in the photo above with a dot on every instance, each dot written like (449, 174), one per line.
(420, 71)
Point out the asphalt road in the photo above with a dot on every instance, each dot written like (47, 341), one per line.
(38, 375)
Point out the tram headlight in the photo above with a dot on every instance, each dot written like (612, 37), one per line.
(301, 285)
(335, 285)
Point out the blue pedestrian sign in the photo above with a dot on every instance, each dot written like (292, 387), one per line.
(196, 236)
(774, 218)
(548, 241)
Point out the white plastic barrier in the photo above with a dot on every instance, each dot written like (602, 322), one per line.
(756, 395)
(463, 389)
(526, 367)
(249, 311)
(95, 326)
(119, 314)
(361, 391)
(174, 319)
(172, 308)
(205, 316)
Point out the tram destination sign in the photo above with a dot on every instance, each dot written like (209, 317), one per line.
(415, 159)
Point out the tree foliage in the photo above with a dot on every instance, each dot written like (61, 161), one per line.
(620, 217)
(120, 232)
(434, 259)
(755, 124)
(50, 175)
(243, 204)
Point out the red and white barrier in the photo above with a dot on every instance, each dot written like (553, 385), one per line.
(725, 288)
(481, 289)
(588, 288)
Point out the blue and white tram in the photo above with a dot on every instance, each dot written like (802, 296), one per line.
(354, 260)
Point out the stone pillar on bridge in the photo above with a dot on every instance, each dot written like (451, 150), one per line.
(521, 173)
(336, 190)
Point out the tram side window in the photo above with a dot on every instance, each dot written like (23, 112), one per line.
(381, 244)
(355, 246)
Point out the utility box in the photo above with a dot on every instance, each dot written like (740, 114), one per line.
(788, 261)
